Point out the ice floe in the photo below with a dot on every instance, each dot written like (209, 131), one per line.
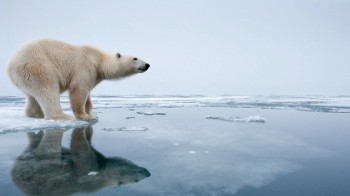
(14, 120)
(256, 119)
(150, 113)
(132, 128)
(92, 173)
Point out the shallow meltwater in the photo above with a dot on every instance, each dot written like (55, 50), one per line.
(178, 146)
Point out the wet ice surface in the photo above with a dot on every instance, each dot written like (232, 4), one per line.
(300, 149)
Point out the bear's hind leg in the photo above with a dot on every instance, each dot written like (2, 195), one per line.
(33, 109)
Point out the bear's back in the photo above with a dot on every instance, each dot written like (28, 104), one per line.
(45, 51)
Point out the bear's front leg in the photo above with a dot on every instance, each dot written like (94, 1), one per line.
(78, 99)
(88, 105)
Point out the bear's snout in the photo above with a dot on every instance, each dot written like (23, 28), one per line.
(144, 67)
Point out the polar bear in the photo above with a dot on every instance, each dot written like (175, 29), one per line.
(45, 68)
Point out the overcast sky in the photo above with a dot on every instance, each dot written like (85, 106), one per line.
(199, 46)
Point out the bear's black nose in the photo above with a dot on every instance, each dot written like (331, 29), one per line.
(144, 67)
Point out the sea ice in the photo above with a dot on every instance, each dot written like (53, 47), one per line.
(14, 120)
(150, 113)
(12, 108)
(313, 103)
(133, 128)
(92, 173)
(256, 118)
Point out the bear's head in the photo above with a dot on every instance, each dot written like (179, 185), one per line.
(120, 65)
(132, 63)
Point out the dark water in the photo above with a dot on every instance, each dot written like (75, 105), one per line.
(180, 152)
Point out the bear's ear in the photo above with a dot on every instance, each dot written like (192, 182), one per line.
(118, 55)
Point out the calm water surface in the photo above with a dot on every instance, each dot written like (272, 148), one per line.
(180, 152)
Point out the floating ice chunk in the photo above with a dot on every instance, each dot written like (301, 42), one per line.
(192, 152)
(256, 118)
(133, 128)
(150, 113)
(13, 120)
(176, 144)
(92, 173)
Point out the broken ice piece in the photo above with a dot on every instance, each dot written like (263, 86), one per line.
(92, 173)
(150, 113)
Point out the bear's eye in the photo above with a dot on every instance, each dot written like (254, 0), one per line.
(135, 59)
(118, 55)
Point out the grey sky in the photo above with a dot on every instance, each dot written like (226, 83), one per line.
(210, 47)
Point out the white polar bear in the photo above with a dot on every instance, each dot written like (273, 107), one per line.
(43, 69)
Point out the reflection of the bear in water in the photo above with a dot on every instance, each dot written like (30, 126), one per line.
(47, 168)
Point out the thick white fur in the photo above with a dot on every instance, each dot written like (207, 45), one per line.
(43, 69)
